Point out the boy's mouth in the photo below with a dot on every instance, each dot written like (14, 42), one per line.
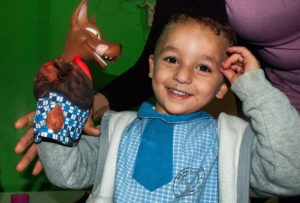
(178, 93)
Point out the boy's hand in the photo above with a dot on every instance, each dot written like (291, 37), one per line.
(26, 142)
(240, 62)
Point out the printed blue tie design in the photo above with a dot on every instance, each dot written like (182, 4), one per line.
(153, 167)
(154, 161)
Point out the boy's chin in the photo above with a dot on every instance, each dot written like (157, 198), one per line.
(175, 109)
(172, 111)
(179, 111)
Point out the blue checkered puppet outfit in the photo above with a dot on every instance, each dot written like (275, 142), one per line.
(74, 120)
(195, 160)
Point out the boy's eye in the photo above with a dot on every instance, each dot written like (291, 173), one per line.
(171, 60)
(204, 68)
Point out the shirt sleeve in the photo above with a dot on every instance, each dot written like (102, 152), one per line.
(70, 167)
(275, 156)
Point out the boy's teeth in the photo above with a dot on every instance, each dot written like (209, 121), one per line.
(178, 93)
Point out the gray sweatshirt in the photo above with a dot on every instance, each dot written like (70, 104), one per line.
(261, 158)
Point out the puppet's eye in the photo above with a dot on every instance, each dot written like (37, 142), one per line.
(95, 32)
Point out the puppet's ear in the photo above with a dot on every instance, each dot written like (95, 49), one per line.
(93, 19)
(222, 90)
(151, 66)
(80, 15)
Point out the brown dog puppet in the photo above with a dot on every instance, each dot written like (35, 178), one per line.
(64, 87)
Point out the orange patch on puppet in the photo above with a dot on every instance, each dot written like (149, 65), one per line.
(55, 119)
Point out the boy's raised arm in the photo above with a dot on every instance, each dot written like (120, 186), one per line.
(275, 157)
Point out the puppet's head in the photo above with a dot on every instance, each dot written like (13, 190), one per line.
(64, 88)
(84, 39)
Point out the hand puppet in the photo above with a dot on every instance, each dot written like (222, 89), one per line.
(64, 88)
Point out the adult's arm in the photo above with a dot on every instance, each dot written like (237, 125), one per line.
(275, 156)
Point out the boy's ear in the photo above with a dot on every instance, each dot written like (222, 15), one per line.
(151, 65)
(222, 90)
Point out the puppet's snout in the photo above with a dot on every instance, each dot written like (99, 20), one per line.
(107, 52)
(101, 49)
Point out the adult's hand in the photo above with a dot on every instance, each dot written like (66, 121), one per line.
(26, 142)
(89, 127)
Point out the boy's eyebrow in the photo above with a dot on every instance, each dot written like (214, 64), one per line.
(210, 58)
(168, 48)
(207, 57)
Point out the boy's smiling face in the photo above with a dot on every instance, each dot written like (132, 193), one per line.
(185, 68)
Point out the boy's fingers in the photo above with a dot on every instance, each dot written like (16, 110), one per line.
(27, 158)
(244, 52)
(25, 121)
(233, 59)
(25, 141)
(237, 68)
(38, 167)
(229, 74)
(249, 60)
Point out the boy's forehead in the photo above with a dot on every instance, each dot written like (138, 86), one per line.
(189, 26)
(170, 35)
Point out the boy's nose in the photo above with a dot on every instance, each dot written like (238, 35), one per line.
(183, 75)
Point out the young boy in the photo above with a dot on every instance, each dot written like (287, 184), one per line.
(173, 151)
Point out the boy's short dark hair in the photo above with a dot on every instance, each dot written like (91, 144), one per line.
(211, 19)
